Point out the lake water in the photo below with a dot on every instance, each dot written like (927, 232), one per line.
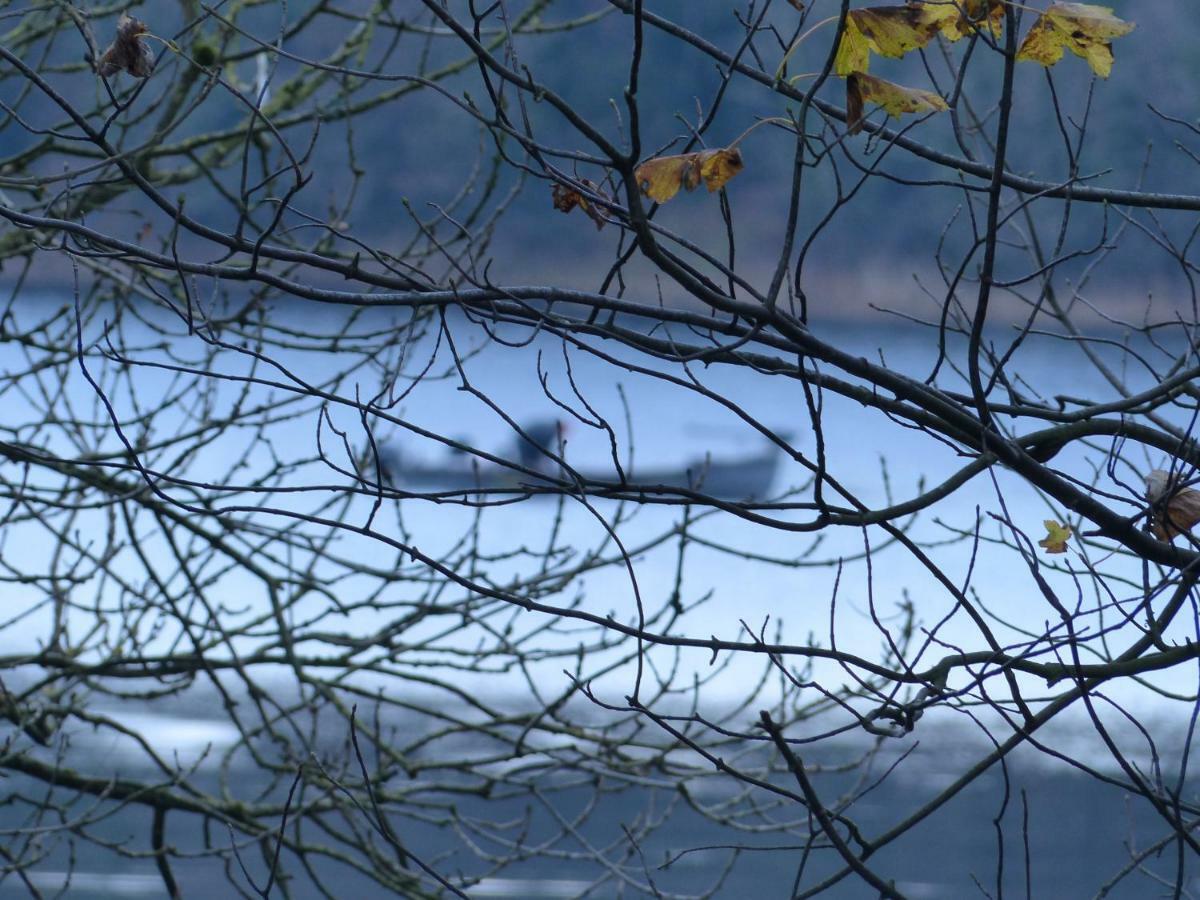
(1077, 826)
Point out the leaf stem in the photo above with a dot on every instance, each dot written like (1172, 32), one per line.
(773, 120)
(800, 40)
(167, 42)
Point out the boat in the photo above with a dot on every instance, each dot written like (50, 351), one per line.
(739, 479)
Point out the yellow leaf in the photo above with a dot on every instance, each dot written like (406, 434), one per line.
(718, 166)
(661, 177)
(896, 99)
(895, 30)
(958, 19)
(1084, 29)
(853, 52)
(888, 30)
(1056, 537)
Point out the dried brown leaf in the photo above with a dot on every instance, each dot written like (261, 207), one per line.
(567, 198)
(128, 52)
(1173, 510)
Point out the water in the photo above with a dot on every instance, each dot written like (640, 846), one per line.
(1080, 834)
(739, 578)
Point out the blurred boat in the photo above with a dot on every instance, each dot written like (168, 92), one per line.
(743, 478)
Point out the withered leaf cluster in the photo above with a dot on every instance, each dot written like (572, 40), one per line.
(661, 177)
(128, 52)
(1085, 30)
(567, 198)
(892, 31)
